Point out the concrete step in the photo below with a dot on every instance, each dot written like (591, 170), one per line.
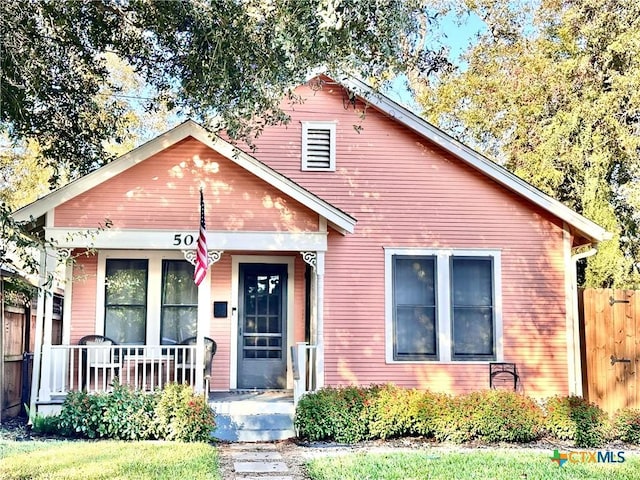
(253, 417)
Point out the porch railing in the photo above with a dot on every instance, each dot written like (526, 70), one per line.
(95, 368)
(304, 360)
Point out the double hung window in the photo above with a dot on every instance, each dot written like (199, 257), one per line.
(442, 305)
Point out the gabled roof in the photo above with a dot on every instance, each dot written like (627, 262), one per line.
(581, 225)
(338, 219)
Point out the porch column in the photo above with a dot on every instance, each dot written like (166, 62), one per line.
(204, 312)
(320, 319)
(44, 325)
(316, 261)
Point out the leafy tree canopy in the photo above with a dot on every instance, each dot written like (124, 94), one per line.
(550, 90)
(221, 62)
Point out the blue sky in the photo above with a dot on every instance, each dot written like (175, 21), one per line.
(454, 33)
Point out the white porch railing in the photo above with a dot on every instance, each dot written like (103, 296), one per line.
(304, 360)
(94, 368)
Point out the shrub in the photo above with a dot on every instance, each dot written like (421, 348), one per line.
(81, 415)
(391, 412)
(505, 416)
(335, 414)
(574, 418)
(626, 425)
(128, 415)
(184, 415)
(425, 409)
(453, 421)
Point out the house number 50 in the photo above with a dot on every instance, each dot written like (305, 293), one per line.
(180, 239)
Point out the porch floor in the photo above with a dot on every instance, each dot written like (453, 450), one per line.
(253, 415)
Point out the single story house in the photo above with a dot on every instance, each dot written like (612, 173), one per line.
(357, 244)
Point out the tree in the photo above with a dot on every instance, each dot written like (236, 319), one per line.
(226, 63)
(551, 93)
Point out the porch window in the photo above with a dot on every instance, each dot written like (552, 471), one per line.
(126, 300)
(442, 305)
(179, 302)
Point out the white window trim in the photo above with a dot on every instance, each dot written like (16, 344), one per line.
(154, 287)
(443, 301)
(331, 126)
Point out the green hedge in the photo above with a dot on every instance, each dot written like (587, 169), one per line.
(175, 413)
(351, 414)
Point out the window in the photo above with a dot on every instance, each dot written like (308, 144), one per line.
(125, 306)
(145, 297)
(179, 302)
(442, 305)
(319, 146)
(414, 308)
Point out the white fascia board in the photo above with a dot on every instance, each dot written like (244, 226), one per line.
(343, 221)
(134, 239)
(500, 174)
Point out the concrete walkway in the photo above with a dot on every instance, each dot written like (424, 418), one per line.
(256, 461)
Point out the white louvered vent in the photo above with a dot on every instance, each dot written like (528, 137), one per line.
(318, 146)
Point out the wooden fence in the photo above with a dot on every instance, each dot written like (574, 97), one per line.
(610, 330)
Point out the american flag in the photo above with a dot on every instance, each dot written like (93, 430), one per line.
(201, 249)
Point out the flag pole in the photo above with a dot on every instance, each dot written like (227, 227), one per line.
(203, 281)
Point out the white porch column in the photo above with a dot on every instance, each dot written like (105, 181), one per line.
(204, 312)
(320, 318)
(44, 327)
(316, 260)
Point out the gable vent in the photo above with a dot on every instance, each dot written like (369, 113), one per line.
(318, 146)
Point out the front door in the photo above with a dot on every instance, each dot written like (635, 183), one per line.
(262, 319)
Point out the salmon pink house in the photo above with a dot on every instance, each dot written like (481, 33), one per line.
(357, 244)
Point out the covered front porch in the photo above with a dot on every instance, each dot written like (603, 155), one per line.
(264, 337)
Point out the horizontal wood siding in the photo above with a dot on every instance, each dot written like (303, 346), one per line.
(220, 328)
(162, 193)
(83, 301)
(407, 192)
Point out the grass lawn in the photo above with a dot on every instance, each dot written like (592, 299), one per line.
(495, 465)
(107, 460)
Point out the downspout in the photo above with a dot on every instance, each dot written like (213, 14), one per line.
(577, 387)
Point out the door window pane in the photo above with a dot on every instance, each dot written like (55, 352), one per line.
(126, 300)
(179, 302)
(414, 309)
(472, 307)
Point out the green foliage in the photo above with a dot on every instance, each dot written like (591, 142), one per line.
(176, 413)
(128, 415)
(334, 413)
(81, 415)
(574, 418)
(504, 416)
(549, 90)
(395, 412)
(626, 425)
(230, 60)
(183, 415)
(351, 414)
(45, 424)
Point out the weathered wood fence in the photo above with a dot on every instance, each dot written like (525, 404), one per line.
(610, 327)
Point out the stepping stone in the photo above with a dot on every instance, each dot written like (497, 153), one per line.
(253, 456)
(260, 467)
(270, 477)
(252, 446)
